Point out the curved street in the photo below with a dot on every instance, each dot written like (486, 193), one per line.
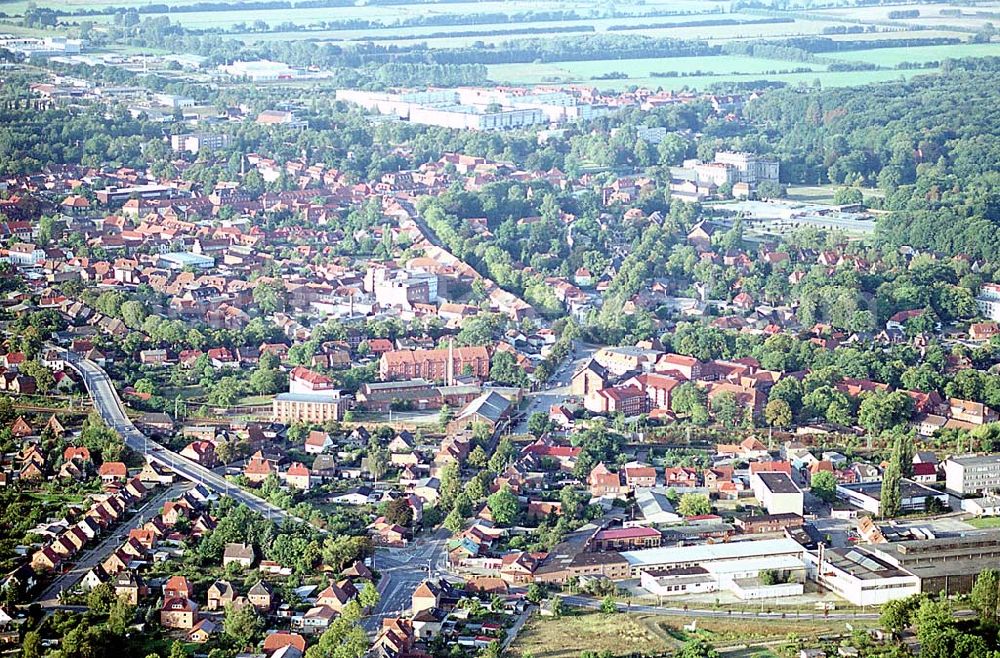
(109, 406)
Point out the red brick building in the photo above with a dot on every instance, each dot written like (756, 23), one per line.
(433, 364)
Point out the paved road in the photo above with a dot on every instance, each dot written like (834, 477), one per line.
(514, 630)
(556, 390)
(94, 556)
(110, 406)
(402, 571)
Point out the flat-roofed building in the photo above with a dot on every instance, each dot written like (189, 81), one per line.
(914, 497)
(860, 576)
(777, 493)
(197, 142)
(950, 564)
(313, 408)
(972, 474)
(672, 557)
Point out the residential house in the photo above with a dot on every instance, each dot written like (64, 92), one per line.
(242, 555)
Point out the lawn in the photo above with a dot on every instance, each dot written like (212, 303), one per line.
(821, 193)
(890, 57)
(255, 399)
(984, 522)
(570, 635)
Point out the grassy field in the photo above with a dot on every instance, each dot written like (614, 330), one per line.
(881, 13)
(640, 68)
(821, 193)
(984, 522)
(622, 634)
(894, 56)
(535, 73)
(572, 634)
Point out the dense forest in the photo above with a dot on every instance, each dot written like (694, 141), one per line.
(930, 144)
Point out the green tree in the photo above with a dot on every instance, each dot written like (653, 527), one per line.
(342, 639)
(369, 596)
(445, 416)
(454, 522)
(538, 423)
(727, 409)
(477, 457)
(503, 455)
(242, 625)
(398, 511)
(31, 645)
(267, 381)
(269, 296)
(845, 196)
(985, 595)
(897, 615)
(535, 593)
(120, 616)
(890, 500)
(697, 647)
(778, 413)
(101, 598)
(824, 486)
(694, 504)
(226, 392)
(608, 605)
(504, 506)
(504, 370)
(882, 410)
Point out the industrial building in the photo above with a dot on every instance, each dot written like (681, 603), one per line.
(914, 497)
(948, 564)
(740, 576)
(261, 70)
(674, 557)
(178, 260)
(777, 493)
(472, 108)
(35, 47)
(860, 576)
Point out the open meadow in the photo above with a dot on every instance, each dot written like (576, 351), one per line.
(620, 634)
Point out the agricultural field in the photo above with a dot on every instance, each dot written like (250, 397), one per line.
(928, 12)
(890, 57)
(593, 17)
(642, 68)
(727, 69)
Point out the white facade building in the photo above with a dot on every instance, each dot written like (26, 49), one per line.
(777, 493)
(972, 474)
(860, 576)
(988, 301)
(750, 167)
